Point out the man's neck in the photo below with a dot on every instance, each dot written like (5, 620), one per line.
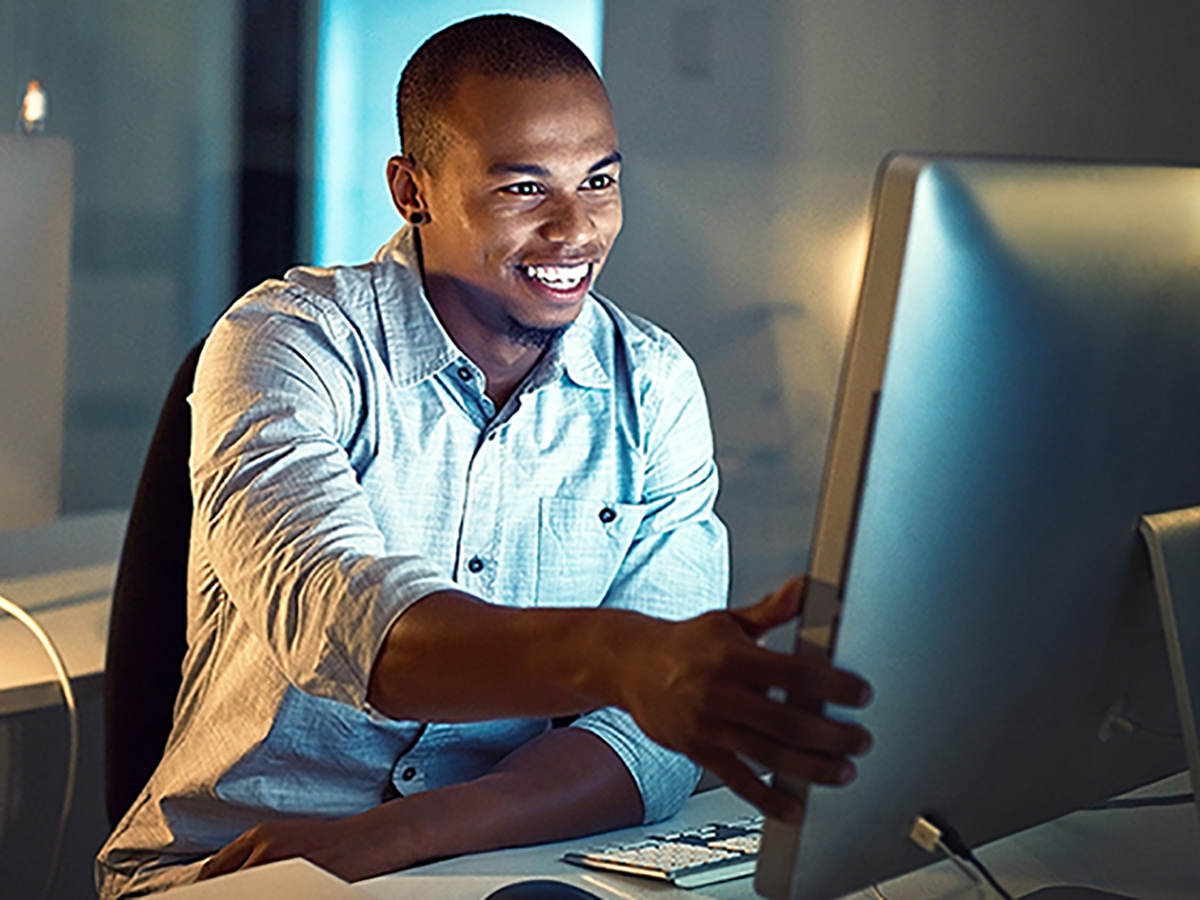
(502, 371)
(505, 361)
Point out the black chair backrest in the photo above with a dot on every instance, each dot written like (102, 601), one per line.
(148, 623)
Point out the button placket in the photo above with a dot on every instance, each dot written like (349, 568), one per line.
(481, 520)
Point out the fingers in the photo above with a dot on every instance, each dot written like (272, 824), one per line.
(229, 859)
(791, 757)
(739, 718)
(251, 848)
(805, 678)
(740, 779)
(786, 724)
(776, 608)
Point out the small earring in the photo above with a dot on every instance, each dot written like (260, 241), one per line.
(418, 218)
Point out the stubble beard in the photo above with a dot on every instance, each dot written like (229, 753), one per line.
(534, 336)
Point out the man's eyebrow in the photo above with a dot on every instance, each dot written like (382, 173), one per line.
(503, 168)
(512, 168)
(614, 157)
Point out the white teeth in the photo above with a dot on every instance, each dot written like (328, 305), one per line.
(561, 278)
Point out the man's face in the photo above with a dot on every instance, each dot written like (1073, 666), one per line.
(524, 205)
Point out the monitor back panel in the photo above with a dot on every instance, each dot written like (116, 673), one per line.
(35, 236)
(1025, 371)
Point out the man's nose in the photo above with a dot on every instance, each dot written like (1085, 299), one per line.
(568, 221)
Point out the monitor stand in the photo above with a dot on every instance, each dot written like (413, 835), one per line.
(1073, 892)
(1173, 539)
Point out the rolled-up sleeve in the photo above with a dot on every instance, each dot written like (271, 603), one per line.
(288, 530)
(676, 567)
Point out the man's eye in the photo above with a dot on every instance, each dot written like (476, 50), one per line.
(599, 182)
(523, 188)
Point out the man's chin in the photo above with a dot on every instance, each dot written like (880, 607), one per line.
(535, 336)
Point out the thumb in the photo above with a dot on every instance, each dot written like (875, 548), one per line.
(777, 607)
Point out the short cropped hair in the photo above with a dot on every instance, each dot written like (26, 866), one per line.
(500, 44)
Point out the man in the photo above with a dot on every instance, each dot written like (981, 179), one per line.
(446, 496)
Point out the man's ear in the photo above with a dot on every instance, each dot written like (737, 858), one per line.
(403, 181)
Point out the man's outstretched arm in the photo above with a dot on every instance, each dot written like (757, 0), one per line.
(698, 686)
(563, 784)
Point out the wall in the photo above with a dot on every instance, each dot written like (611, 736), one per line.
(749, 167)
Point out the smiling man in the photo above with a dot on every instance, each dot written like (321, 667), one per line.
(447, 496)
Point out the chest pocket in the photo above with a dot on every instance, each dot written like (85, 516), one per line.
(580, 547)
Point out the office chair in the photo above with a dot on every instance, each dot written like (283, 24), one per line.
(148, 623)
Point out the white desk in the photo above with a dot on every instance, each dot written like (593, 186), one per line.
(63, 576)
(1150, 853)
(475, 876)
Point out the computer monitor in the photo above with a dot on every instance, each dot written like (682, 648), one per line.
(1021, 385)
(35, 239)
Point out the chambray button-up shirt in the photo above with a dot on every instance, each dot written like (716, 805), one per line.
(345, 463)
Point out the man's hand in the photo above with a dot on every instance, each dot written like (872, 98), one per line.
(334, 845)
(701, 688)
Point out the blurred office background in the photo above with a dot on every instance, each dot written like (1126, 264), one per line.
(217, 143)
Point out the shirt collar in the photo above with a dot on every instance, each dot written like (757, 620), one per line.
(409, 321)
(577, 347)
(418, 345)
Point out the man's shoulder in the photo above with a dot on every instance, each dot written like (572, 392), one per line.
(338, 301)
(319, 292)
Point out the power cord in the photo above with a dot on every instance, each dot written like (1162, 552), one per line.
(933, 833)
(64, 683)
(928, 837)
(1140, 802)
(1133, 726)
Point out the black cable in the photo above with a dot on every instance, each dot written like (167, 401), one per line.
(1133, 726)
(1156, 732)
(959, 847)
(1139, 802)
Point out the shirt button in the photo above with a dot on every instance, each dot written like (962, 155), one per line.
(491, 436)
(607, 514)
(408, 774)
(476, 564)
(464, 373)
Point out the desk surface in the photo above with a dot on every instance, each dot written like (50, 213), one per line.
(475, 876)
(1149, 853)
(63, 576)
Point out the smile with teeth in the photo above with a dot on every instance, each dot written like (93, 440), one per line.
(559, 278)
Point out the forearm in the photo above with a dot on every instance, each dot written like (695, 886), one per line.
(450, 657)
(563, 784)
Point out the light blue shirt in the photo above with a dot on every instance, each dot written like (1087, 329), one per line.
(345, 463)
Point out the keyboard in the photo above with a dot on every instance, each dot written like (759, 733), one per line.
(692, 858)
